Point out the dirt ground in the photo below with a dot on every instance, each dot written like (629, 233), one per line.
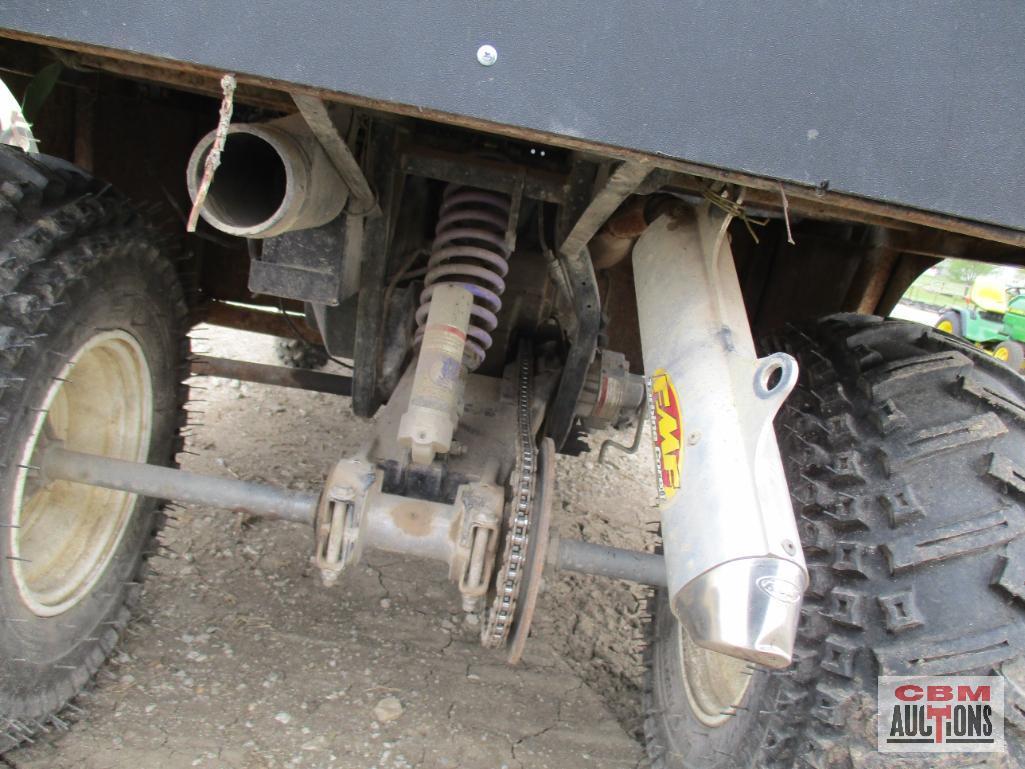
(240, 658)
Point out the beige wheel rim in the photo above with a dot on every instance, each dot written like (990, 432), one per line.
(715, 683)
(65, 534)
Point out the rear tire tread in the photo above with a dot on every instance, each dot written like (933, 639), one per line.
(858, 458)
(58, 226)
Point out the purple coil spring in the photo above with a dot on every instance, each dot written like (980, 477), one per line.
(470, 250)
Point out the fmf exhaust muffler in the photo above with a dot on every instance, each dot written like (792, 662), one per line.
(273, 178)
(734, 565)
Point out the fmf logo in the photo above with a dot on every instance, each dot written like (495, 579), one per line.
(941, 714)
(667, 432)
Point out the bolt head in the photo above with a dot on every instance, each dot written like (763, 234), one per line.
(487, 55)
(341, 493)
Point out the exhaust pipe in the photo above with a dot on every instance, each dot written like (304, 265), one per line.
(274, 177)
(735, 570)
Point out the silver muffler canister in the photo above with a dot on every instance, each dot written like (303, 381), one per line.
(735, 569)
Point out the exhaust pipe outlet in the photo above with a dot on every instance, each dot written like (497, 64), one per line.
(734, 566)
(274, 178)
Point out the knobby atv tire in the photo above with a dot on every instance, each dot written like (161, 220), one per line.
(905, 453)
(75, 260)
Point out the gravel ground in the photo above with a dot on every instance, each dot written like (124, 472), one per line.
(241, 659)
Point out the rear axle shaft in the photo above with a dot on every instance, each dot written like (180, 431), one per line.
(298, 506)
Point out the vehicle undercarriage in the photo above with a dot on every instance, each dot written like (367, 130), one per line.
(496, 296)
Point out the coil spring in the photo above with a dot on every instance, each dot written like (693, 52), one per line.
(470, 250)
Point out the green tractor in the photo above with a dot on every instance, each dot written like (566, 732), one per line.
(993, 320)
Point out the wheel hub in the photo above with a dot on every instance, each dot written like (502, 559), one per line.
(63, 535)
(715, 683)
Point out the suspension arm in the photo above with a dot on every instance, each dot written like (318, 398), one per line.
(280, 376)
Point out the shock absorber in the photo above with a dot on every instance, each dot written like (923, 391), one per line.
(470, 250)
(458, 311)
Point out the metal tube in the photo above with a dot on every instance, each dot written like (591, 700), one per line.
(733, 560)
(631, 565)
(179, 485)
(417, 527)
(622, 184)
(274, 178)
(608, 443)
(281, 376)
